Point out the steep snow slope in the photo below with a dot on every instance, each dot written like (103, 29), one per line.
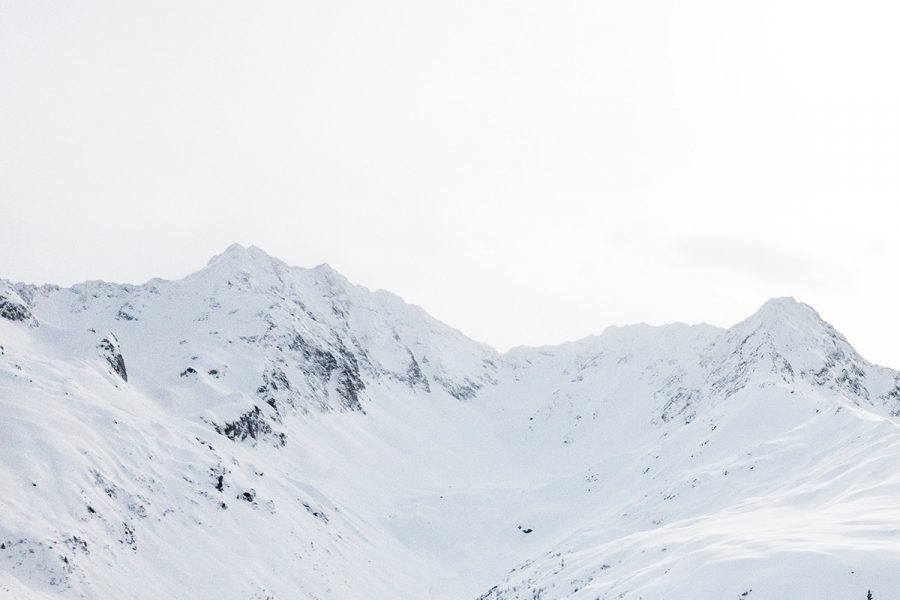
(261, 431)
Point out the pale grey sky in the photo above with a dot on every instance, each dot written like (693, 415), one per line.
(529, 172)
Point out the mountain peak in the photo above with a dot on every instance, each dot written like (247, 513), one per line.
(786, 315)
(243, 263)
(786, 341)
(238, 253)
(787, 305)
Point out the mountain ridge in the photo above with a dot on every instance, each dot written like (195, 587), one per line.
(353, 446)
(238, 256)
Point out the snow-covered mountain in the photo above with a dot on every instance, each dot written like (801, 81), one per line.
(261, 431)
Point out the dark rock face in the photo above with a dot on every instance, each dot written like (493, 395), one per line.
(253, 425)
(109, 347)
(339, 363)
(466, 390)
(844, 373)
(316, 512)
(126, 313)
(217, 474)
(681, 403)
(349, 382)
(128, 536)
(414, 375)
(893, 398)
(13, 311)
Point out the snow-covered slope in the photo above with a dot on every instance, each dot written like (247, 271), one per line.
(260, 431)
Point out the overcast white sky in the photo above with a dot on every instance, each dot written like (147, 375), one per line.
(529, 172)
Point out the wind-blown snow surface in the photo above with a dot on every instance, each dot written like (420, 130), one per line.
(260, 431)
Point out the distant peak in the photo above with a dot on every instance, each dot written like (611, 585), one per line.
(787, 307)
(781, 301)
(327, 275)
(789, 327)
(235, 248)
(781, 315)
(238, 253)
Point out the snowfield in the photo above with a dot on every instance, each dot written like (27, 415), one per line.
(259, 431)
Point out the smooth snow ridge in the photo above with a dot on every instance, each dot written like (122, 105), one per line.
(258, 431)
